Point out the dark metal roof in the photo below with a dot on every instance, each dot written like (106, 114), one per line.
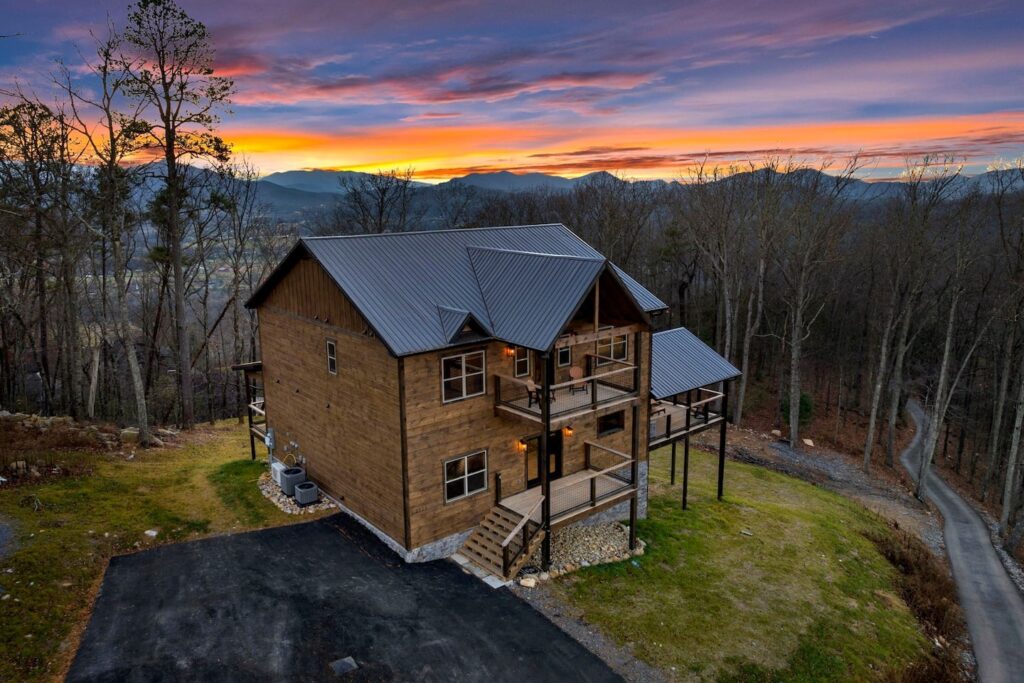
(529, 297)
(400, 281)
(680, 361)
(453, 320)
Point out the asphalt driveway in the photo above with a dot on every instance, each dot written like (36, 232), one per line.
(993, 607)
(282, 604)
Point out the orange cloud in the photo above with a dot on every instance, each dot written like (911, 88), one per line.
(438, 152)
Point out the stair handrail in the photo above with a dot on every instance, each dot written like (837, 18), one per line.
(519, 527)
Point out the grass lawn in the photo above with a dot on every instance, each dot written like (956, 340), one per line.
(66, 529)
(804, 597)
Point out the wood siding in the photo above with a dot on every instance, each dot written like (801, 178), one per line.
(347, 426)
(438, 431)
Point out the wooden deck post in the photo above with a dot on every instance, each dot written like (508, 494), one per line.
(545, 481)
(721, 438)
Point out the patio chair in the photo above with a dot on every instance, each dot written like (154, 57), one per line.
(532, 393)
(576, 375)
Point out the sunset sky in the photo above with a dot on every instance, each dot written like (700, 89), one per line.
(639, 88)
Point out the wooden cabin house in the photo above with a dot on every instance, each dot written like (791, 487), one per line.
(464, 389)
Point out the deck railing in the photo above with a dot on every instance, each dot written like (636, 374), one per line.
(518, 540)
(670, 419)
(573, 396)
(609, 473)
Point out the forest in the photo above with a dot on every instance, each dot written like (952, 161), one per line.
(131, 237)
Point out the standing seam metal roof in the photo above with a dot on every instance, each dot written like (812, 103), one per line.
(400, 282)
(680, 361)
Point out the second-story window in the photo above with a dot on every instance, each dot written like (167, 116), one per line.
(612, 348)
(332, 357)
(522, 362)
(462, 376)
(564, 356)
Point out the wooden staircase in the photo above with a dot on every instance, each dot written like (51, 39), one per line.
(483, 547)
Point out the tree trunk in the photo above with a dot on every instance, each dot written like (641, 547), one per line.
(1013, 457)
(896, 386)
(876, 392)
(124, 334)
(795, 349)
(94, 376)
(937, 416)
(997, 413)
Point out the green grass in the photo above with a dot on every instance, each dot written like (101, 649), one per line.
(66, 530)
(778, 582)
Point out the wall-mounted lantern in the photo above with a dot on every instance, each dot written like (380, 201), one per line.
(567, 431)
(510, 352)
(521, 446)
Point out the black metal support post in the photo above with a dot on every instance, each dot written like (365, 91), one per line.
(721, 439)
(634, 476)
(673, 475)
(248, 413)
(497, 488)
(686, 467)
(545, 481)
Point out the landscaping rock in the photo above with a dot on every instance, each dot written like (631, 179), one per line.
(275, 495)
(18, 467)
(777, 432)
(152, 533)
(528, 582)
(808, 442)
(130, 435)
(584, 546)
(166, 433)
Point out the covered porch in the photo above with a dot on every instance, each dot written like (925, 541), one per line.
(607, 478)
(689, 395)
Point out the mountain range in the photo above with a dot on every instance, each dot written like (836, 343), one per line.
(292, 195)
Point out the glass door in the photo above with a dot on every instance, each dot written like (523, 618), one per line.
(533, 458)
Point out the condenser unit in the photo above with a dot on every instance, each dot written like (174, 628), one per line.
(290, 477)
(306, 493)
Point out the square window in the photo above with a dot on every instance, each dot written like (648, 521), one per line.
(465, 475)
(462, 376)
(612, 349)
(565, 356)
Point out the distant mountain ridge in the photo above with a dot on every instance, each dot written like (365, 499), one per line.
(295, 194)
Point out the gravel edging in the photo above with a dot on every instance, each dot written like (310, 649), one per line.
(545, 600)
(287, 504)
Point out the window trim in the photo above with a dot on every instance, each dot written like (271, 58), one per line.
(482, 373)
(529, 362)
(609, 432)
(558, 357)
(331, 348)
(465, 476)
(612, 341)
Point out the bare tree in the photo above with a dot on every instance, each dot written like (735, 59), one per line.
(378, 202)
(172, 72)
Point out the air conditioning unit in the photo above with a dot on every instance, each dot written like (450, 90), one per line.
(276, 468)
(290, 477)
(306, 493)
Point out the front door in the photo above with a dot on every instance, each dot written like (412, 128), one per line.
(533, 467)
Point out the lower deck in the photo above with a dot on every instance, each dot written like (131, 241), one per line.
(573, 495)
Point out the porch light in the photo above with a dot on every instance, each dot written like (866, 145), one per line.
(567, 431)
(510, 351)
(521, 446)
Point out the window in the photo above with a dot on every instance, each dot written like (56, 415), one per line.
(616, 348)
(565, 356)
(522, 361)
(332, 357)
(465, 475)
(611, 423)
(462, 376)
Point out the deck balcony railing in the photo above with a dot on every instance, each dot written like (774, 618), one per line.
(671, 419)
(616, 382)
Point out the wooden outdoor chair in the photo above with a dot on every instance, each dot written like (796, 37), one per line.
(576, 375)
(532, 393)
